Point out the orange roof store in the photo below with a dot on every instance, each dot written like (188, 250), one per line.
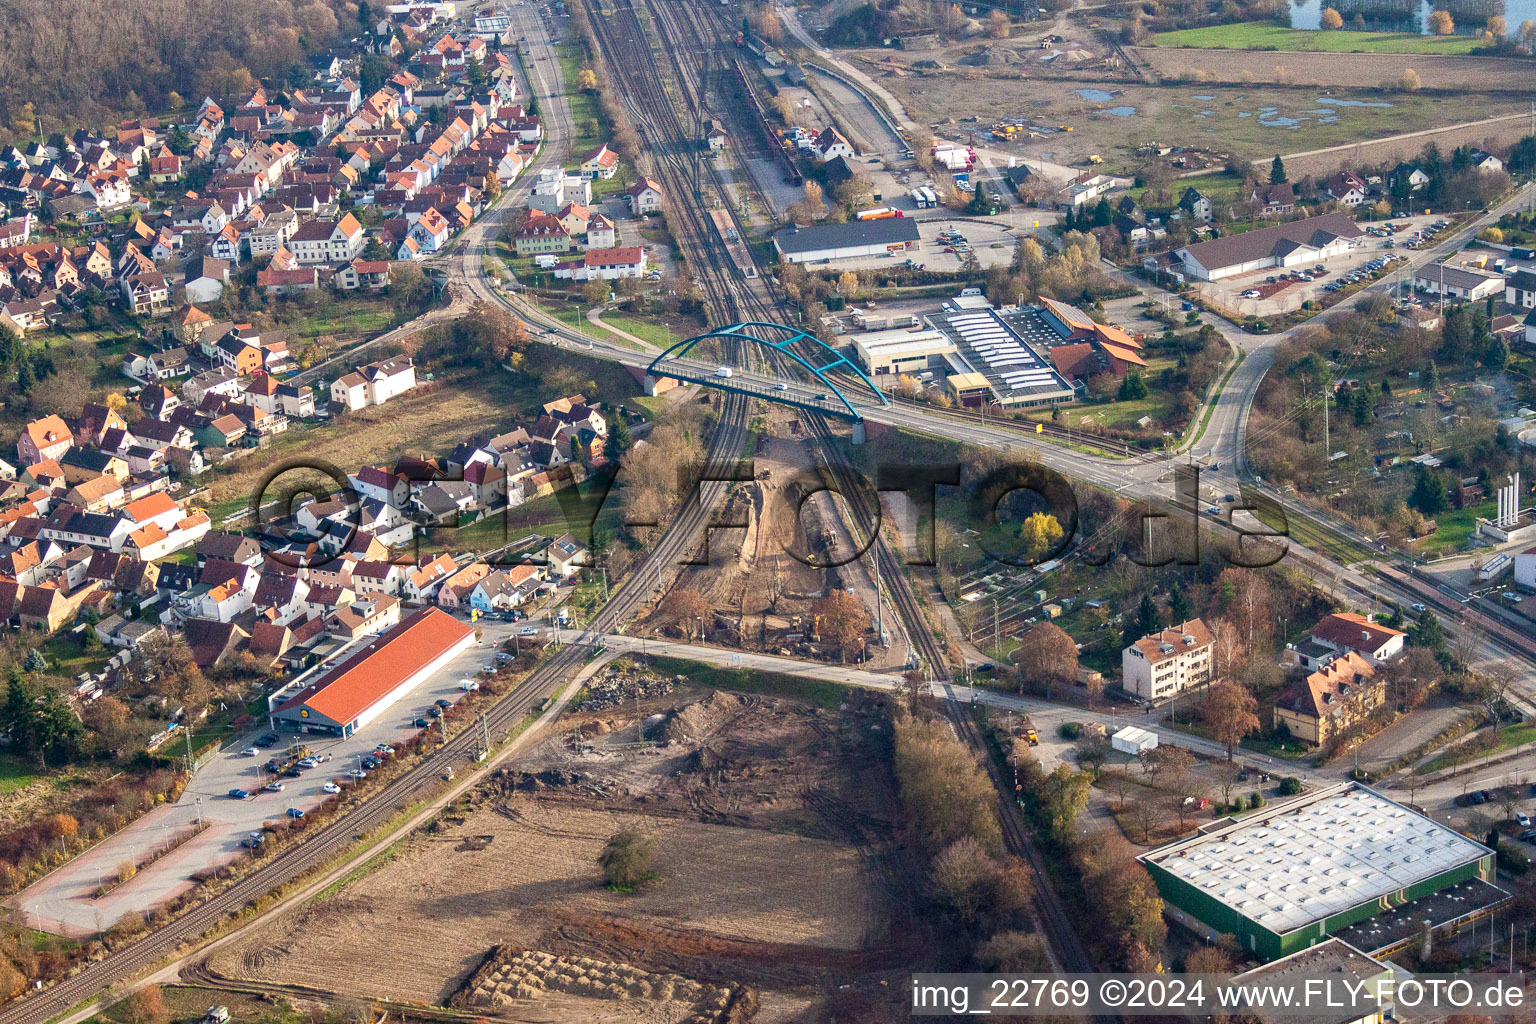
(364, 685)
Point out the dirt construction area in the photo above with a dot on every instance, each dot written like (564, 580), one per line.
(766, 571)
(776, 882)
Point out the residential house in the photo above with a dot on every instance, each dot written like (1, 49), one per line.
(45, 438)
(1331, 700)
(645, 196)
(1273, 200)
(1163, 664)
(1197, 205)
(328, 242)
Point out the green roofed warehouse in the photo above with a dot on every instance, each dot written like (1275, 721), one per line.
(1340, 861)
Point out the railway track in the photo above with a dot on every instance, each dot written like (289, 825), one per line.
(1052, 914)
(419, 781)
(416, 783)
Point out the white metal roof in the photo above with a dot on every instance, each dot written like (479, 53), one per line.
(1317, 856)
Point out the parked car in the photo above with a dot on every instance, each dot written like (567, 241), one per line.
(268, 740)
(421, 723)
(370, 763)
(273, 787)
(357, 773)
(250, 752)
(294, 812)
(468, 685)
(435, 712)
(238, 794)
(528, 631)
(330, 787)
(384, 750)
(443, 703)
(1522, 819)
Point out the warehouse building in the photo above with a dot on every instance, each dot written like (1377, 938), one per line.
(884, 353)
(855, 239)
(361, 688)
(1341, 861)
(1010, 350)
(1298, 243)
(1371, 981)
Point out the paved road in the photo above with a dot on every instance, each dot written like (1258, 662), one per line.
(1046, 716)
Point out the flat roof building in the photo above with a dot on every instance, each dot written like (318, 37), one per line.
(364, 685)
(1331, 961)
(893, 352)
(852, 240)
(1010, 349)
(1301, 870)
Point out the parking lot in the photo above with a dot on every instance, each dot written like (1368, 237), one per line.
(1270, 292)
(65, 900)
(945, 237)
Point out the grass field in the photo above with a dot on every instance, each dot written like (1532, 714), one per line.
(429, 419)
(1265, 35)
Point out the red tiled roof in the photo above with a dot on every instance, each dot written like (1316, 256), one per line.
(1350, 629)
(347, 691)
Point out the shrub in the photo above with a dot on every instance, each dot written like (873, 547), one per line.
(626, 860)
(1070, 730)
(1290, 786)
(1513, 860)
(1255, 800)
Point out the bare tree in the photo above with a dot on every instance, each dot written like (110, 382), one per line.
(1146, 813)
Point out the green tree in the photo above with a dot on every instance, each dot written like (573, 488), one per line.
(1496, 355)
(1431, 377)
(1426, 631)
(1148, 620)
(1178, 604)
(620, 440)
(1429, 494)
(626, 860)
(1277, 171)
(34, 661)
(1132, 388)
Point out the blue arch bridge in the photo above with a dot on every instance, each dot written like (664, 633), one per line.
(822, 393)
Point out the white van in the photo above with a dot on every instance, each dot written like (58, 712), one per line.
(723, 371)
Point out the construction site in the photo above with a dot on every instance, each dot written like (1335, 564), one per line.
(777, 881)
(777, 552)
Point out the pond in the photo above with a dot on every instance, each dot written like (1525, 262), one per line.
(1413, 15)
(1095, 95)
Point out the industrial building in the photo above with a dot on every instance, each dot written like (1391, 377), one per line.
(855, 239)
(1010, 349)
(1332, 961)
(883, 353)
(362, 687)
(1341, 861)
(1298, 243)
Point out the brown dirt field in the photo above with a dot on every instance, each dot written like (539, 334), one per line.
(767, 817)
(1346, 70)
(416, 927)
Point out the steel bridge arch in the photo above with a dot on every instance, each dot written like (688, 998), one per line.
(789, 337)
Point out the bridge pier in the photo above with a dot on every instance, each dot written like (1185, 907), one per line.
(858, 433)
(650, 385)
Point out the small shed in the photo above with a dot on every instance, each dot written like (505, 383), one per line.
(1134, 741)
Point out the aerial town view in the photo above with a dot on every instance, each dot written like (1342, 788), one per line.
(767, 511)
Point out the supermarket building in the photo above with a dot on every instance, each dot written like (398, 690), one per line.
(363, 686)
(1343, 861)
